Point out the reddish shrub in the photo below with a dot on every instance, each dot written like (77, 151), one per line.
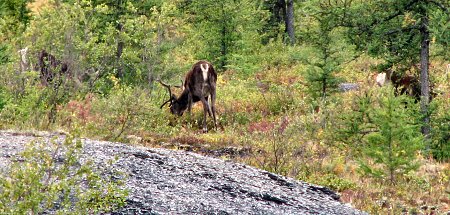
(263, 126)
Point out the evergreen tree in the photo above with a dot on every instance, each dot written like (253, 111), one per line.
(281, 12)
(14, 18)
(440, 145)
(16, 12)
(323, 34)
(400, 32)
(393, 140)
(226, 31)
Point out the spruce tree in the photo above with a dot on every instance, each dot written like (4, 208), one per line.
(324, 35)
(392, 147)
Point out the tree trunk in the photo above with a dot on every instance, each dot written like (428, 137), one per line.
(223, 48)
(424, 82)
(289, 20)
(120, 45)
(223, 42)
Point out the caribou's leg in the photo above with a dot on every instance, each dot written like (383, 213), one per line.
(209, 105)
(190, 103)
(213, 107)
(205, 110)
(189, 108)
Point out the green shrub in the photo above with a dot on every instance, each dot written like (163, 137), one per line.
(49, 177)
(440, 122)
(280, 100)
(334, 182)
(27, 110)
(3, 99)
(125, 111)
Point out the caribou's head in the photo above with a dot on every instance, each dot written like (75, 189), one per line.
(177, 106)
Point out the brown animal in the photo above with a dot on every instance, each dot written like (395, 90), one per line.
(50, 67)
(403, 84)
(199, 85)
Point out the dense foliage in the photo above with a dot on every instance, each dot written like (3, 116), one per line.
(280, 101)
(37, 182)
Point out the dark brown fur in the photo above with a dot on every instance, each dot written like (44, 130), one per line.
(407, 85)
(50, 67)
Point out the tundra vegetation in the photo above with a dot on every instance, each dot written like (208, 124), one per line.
(279, 64)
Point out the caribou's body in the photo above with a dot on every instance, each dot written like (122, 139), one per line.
(50, 67)
(403, 84)
(199, 85)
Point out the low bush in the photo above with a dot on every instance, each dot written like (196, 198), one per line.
(48, 177)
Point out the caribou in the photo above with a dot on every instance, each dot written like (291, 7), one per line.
(403, 84)
(199, 85)
(50, 67)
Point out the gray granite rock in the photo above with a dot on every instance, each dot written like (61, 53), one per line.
(162, 181)
(345, 87)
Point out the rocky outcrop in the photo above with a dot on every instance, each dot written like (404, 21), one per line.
(345, 87)
(162, 181)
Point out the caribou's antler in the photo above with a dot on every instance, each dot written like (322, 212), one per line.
(170, 93)
(164, 84)
(170, 100)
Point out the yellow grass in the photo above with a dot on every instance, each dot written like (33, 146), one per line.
(38, 5)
